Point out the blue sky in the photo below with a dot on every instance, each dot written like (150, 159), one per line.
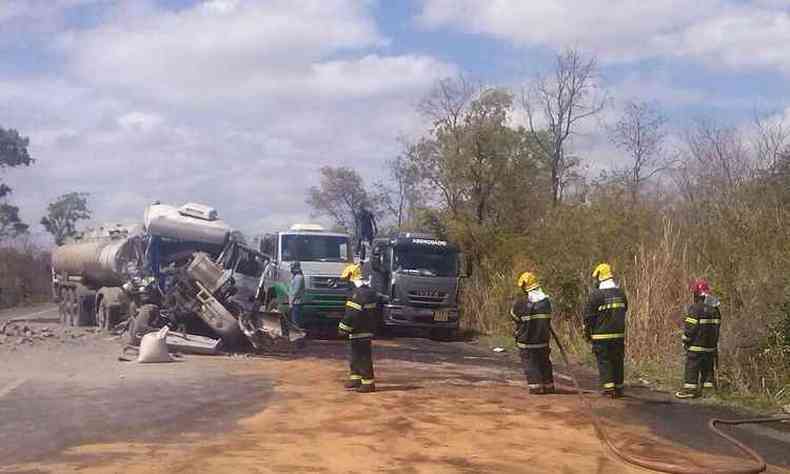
(237, 103)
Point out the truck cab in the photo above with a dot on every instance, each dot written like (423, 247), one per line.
(417, 277)
(323, 255)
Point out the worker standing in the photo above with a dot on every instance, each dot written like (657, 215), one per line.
(296, 294)
(359, 323)
(701, 340)
(604, 326)
(532, 314)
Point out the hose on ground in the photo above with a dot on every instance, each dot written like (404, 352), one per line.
(757, 462)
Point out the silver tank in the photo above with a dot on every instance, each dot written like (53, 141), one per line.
(101, 261)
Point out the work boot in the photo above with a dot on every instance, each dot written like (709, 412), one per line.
(683, 394)
(547, 389)
(366, 388)
(352, 384)
(618, 393)
(608, 393)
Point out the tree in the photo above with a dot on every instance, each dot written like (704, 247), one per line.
(560, 101)
(401, 195)
(10, 224)
(640, 132)
(13, 153)
(63, 214)
(340, 196)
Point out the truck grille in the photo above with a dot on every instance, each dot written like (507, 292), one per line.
(427, 297)
(325, 283)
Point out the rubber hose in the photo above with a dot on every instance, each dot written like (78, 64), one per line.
(758, 466)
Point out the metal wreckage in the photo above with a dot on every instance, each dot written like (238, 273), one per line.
(183, 268)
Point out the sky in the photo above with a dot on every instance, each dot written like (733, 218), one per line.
(238, 103)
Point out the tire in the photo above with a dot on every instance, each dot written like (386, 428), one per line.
(69, 304)
(140, 324)
(103, 316)
(84, 311)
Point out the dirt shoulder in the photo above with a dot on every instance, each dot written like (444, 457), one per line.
(440, 408)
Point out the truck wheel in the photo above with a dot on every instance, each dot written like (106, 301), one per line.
(103, 316)
(140, 324)
(68, 306)
(85, 303)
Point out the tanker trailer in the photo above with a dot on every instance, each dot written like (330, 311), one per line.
(87, 278)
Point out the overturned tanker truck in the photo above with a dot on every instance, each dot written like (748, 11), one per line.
(98, 279)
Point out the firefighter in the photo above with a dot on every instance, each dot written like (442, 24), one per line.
(701, 339)
(604, 326)
(532, 314)
(359, 323)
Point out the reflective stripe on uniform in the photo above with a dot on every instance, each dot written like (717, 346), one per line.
(691, 320)
(603, 337)
(355, 377)
(371, 306)
(353, 305)
(689, 385)
(710, 321)
(368, 381)
(708, 385)
(535, 316)
(345, 327)
(702, 349)
(361, 335)
(531, 346)
(611, 306)
(608, 385)
(534, 385)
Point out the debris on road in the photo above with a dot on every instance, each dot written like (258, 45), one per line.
(499, 349)
(192, 344)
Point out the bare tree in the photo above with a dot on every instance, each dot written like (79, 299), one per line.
(771, 141)
(559, 101)
(640, 132)
(399, 196)
(719, 154)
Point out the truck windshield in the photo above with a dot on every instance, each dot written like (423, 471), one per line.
(425, 261)
(315, 248)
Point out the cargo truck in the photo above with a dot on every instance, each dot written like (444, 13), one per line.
(417, 277)
(323, 255)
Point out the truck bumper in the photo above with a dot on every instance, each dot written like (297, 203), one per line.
(407, 316)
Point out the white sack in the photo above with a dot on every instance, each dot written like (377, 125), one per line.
(153, 347)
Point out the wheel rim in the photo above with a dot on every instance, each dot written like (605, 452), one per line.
(101, 316)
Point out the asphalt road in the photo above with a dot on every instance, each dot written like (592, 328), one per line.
(73, 391)
(65, 393)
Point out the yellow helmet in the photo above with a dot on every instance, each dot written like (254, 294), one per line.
(603, 272)
(528, 281)
(352, 273)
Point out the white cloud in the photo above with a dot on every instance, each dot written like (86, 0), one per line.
(230, 102)
(721, 32)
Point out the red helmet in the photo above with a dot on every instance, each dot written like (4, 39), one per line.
(700, 287)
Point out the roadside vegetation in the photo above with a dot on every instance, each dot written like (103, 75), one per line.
(503, 173)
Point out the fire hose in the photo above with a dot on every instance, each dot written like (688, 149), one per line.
(758, 463)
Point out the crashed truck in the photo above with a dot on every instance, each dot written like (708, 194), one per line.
(184, 270)
(91, 275)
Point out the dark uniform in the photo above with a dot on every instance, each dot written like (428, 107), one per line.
(701, 339)
(604, 325)
(533, 330)
(359, 322)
